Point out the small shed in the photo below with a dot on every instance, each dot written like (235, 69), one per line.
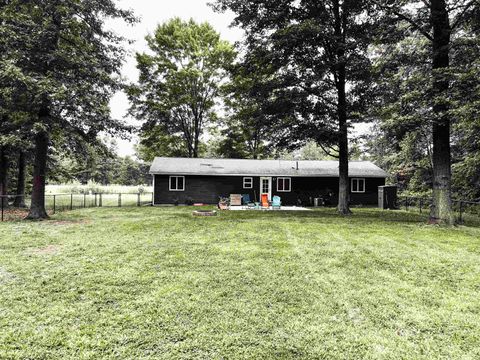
(387, 197)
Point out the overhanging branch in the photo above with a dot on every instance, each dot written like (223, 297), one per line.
(404, 17)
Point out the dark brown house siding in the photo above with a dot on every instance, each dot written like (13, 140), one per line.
(208, 189)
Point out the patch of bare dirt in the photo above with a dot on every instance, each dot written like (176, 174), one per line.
(15, 214)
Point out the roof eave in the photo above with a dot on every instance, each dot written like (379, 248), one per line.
(384, 176)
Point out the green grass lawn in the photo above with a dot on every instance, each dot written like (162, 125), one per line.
(152, 283)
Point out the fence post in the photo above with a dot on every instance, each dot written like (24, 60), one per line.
(1, 198)
(100, 201)
(421, 204)
(71, 201)
(54, 203)
(138, 199)
(119, 200)
(84, 200)
(406, 203)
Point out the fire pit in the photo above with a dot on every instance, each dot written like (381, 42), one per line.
(205, 213)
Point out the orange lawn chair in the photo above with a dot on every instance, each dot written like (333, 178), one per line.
(265, 203)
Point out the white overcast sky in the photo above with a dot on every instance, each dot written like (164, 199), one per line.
(152, 13)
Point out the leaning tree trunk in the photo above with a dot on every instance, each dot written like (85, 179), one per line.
(20, 195)
(442, 203)
(37, 207)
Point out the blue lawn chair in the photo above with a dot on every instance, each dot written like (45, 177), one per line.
(276, 202)
(247, 202)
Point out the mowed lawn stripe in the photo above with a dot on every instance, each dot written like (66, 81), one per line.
(159, 283)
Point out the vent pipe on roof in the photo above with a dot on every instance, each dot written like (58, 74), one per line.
(296, 158)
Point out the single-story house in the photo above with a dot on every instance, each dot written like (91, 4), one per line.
(187, 181)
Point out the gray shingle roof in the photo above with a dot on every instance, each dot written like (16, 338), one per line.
(237, 167)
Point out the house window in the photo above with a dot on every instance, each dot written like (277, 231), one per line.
(358, 186)
(248, 183)
(177, 183)
(284, 184)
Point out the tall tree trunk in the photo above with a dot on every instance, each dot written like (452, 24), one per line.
(37, 207)
(42, 139)
(196, 140)
(343, 186)
(20, 195)
(442, 203)
(4, 165)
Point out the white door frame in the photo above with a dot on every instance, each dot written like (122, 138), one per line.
(269, 187)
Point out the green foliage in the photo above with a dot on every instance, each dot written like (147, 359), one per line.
(66, 60)
(155, 141)
(295, 47)
(250, 125)
(313, 151)
(130, 172)
(61, 67)
(98, 163)
(179, 85)
(233, 145)
(401, 142)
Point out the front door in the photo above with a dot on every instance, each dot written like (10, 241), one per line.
(266, 187)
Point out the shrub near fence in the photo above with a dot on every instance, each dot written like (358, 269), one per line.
(64, 202)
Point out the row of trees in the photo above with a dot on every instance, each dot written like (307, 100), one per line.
(328, 51)
(59, 67)
(308, 71)
(305, 72)
(99, 166)
(427, 93)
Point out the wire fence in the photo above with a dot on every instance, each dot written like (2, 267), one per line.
(14, 207)
(465, 212)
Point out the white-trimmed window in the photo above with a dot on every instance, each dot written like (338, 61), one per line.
(284, 184)
(176, 183)
(248, 183)
(358, 185)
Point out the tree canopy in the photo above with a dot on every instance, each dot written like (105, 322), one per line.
(423, 39)
(319, 51)
(179, 82)
(68, 66)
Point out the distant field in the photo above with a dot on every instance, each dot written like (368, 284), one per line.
(157, 283)
(95, 188)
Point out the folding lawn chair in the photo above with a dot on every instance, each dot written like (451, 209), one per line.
(276, 202)
(265, 204)
(247, 202)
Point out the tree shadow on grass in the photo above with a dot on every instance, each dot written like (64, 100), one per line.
(326, 215)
